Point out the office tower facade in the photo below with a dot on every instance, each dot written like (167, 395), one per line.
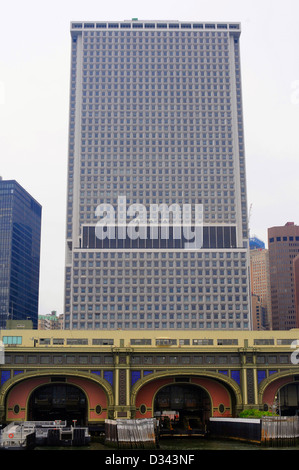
(20, 231)
(258, 313)
(283, 243)
(296, 287)
(156, 119)
(260, 288)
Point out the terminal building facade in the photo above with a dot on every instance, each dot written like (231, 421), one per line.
(91, 376)
(156, 120)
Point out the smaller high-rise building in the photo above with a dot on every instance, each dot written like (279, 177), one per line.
(259, 313)
(283, 245)
(296, 287)
(20, 232)
(260, 289)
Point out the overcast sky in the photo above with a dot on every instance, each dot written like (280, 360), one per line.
(34, 99)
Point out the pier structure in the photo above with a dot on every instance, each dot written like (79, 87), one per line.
(182, 378)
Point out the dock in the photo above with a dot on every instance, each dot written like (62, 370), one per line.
(269, 431)
(131, 433)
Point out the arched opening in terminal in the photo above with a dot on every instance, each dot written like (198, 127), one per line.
(182, 407)
(287, 400)
(58, 402)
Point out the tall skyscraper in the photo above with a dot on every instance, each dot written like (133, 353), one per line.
(20, 230)
(283, 243)
(156, 119)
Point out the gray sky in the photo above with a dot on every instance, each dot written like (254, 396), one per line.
(34, 98)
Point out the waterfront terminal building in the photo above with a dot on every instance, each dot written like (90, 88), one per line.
(91, 376)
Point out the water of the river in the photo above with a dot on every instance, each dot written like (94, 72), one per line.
(182, 445)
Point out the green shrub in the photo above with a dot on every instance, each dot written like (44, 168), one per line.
(254, 413)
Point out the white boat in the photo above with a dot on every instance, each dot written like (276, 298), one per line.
(17, 436)
(29, 434)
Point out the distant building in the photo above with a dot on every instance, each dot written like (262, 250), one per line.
(256, 243)
(20, 231)
(259, 313)
(296, 287)
(260, 288)
(283, 243)
(50, 322)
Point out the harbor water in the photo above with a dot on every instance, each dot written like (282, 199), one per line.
(183, 445)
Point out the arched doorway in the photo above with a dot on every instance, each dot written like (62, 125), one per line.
(287, 400)
(182, 407)
(58, 401)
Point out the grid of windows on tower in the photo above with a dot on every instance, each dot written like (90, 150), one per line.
(156, 116)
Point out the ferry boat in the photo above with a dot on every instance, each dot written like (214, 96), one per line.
(17, 436)
(30, 434)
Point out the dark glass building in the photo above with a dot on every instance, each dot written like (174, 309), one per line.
(256, 244)
(20, 230)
